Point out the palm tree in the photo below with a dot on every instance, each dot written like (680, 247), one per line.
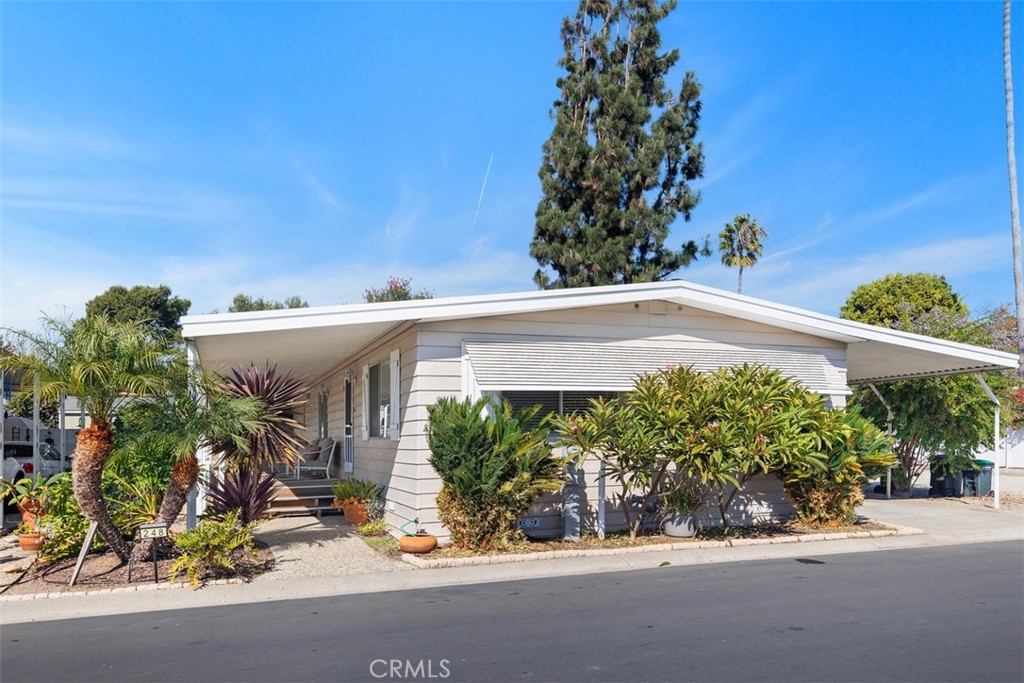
(1011, 162)
(103, 364)
(196, 412)
(740, 244)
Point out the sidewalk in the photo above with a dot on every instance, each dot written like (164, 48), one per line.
(942, 525)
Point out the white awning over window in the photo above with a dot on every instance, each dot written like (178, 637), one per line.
(582, 366)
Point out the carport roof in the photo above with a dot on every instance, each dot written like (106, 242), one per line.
(312, 341)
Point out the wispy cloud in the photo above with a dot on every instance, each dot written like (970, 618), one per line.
(406, 215)
(823, 284)
(316, 187)
(125, 197)
(944, 191)
(62, 141)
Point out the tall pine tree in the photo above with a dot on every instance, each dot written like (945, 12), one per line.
(624, 148)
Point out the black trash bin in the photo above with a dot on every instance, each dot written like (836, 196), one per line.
(944, 483)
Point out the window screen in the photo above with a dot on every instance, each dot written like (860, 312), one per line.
(547, 400)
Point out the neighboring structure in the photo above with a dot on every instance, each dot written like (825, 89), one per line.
(374, 369)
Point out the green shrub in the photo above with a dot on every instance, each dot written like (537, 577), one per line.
(211, 548)
(852, 448)
(362, 490)
(491, 468)
(719, 428)
(374, 527)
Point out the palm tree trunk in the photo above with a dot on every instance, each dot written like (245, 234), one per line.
(1011, 162)
(183, 477)
(739, 284)
(94, 445)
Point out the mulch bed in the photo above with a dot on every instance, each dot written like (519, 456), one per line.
(620, 539)
(104, 570)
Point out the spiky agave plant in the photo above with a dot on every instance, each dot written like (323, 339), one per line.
(274, 439)
(247, 490)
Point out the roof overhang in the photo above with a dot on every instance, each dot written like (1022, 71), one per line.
(312, 341)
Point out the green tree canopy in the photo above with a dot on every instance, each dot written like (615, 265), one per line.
(154, 306)
(243, 303)
(949, 415)
(899, 299)
(614, 178)
(20, 404)
(397, 289)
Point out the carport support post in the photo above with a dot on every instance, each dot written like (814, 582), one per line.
(37, 461)
(888, 430)
(63, 434)
(995, 441)
(193, 502)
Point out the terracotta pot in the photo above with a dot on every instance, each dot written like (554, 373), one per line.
(30, 541)
(355, 513)
(420, 543)
(29, 512)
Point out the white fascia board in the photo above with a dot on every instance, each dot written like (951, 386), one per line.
(676, 291)
(450, 308)
(829, 327)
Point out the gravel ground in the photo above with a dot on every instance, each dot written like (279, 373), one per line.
(307, 546)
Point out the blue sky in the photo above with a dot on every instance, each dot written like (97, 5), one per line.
(315, 149)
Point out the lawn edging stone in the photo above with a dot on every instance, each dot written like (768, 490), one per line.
(449, 562)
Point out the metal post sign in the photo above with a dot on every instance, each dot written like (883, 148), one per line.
(154, 530)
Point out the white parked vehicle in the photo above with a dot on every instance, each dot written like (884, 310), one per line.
(17, 450)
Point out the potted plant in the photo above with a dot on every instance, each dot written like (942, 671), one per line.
(417, 542)
(29, 536)
(30, 495)
(680, 505)
(352, 496)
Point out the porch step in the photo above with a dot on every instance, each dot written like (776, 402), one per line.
(303, 497)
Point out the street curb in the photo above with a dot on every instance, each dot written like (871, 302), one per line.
(450, 562)
(109, 591)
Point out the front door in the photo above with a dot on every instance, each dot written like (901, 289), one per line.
(349, 443)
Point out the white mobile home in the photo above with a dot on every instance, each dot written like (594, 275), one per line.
(374, 369)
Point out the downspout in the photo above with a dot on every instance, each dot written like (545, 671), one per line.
(995, 440)
(888, 430)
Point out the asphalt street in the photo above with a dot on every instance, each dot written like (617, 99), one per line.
(928, 614)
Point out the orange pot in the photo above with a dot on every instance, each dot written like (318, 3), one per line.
(355, 514)
(420, 543)
(30, 512)
(31, 541)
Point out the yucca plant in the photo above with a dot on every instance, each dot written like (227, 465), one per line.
(247, 490)
(491, 467)
(274, 440)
